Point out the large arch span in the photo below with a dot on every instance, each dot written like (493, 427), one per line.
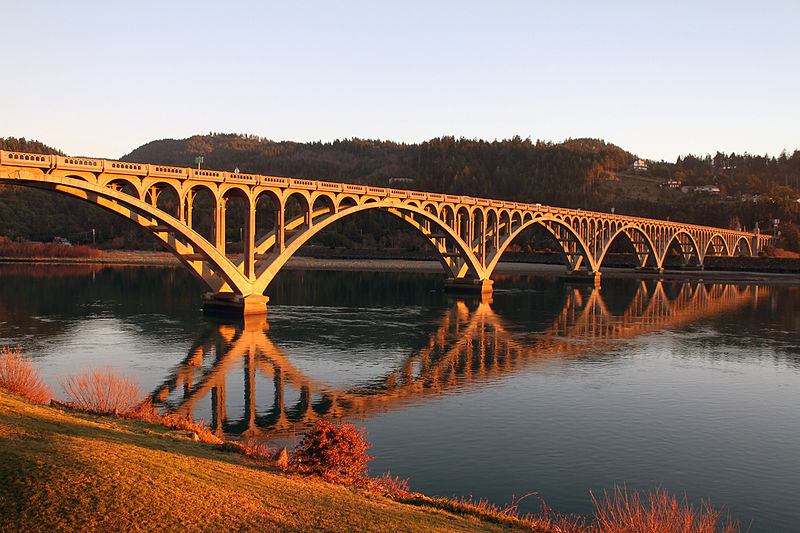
(469, 234)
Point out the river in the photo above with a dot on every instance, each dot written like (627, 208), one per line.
(545, 388)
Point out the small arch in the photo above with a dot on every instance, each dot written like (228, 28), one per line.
(516, 221)
(267, 205)
(346, 202)
(199, 210)
(478, 228)
(492, 233)
(237, 213)
(505, 223)
(168, 199)
(295, 213)
(124, 186)
(448, 216)
(322, 207)
(463, 223)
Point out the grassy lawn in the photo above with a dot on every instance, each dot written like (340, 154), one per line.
(73, 472)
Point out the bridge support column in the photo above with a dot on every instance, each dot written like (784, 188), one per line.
(468, 285)
(234, 304)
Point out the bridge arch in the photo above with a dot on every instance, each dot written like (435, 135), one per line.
(561, 231)
(405, 212)
(687, 246)
(716, 246)
(638, 238)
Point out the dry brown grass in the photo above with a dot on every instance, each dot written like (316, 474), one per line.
(618, 512)
(629, 512)
(19, 376)
(103, 391)
(546, 520)
(199, 430)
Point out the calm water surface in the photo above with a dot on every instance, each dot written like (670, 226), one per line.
(547, 388)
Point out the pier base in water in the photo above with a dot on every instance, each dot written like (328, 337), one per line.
(234, 304)
(650, 270)
(582, 276)
(470, 286)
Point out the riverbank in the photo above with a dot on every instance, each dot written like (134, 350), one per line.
(767, 271)
(74, 472)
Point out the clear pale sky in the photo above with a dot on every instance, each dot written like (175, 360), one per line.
(660, 79)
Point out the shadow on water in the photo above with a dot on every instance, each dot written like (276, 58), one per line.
(469, 344)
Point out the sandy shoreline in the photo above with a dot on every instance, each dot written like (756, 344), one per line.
(143, 258)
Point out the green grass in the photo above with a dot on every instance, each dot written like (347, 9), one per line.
(76, 472)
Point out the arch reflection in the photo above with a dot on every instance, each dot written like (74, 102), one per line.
(470, 345)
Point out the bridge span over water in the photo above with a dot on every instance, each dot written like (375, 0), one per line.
(469, 234)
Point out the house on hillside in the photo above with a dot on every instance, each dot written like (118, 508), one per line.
(671, 184)
(640, 165)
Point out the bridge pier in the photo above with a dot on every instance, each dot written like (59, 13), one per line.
(583, 276)
(215, 303)
(650, 270)
(468, 285)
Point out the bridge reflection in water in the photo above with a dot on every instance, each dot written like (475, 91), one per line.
(471, 344)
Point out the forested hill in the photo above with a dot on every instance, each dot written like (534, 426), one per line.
(516, 169)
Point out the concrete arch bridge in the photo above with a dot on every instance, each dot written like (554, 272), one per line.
(469, 234)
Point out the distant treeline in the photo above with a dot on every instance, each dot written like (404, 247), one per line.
(568, 174)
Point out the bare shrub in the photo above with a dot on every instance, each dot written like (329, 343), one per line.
(103, 391)
(258, 449)
(18, 375)
(337, 453)
(622, 512)
(390, 485)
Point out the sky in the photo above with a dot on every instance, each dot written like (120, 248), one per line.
(660, 79)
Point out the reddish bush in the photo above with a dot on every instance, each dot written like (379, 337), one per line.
(18, 375)
(337, 453)
(104, 391)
